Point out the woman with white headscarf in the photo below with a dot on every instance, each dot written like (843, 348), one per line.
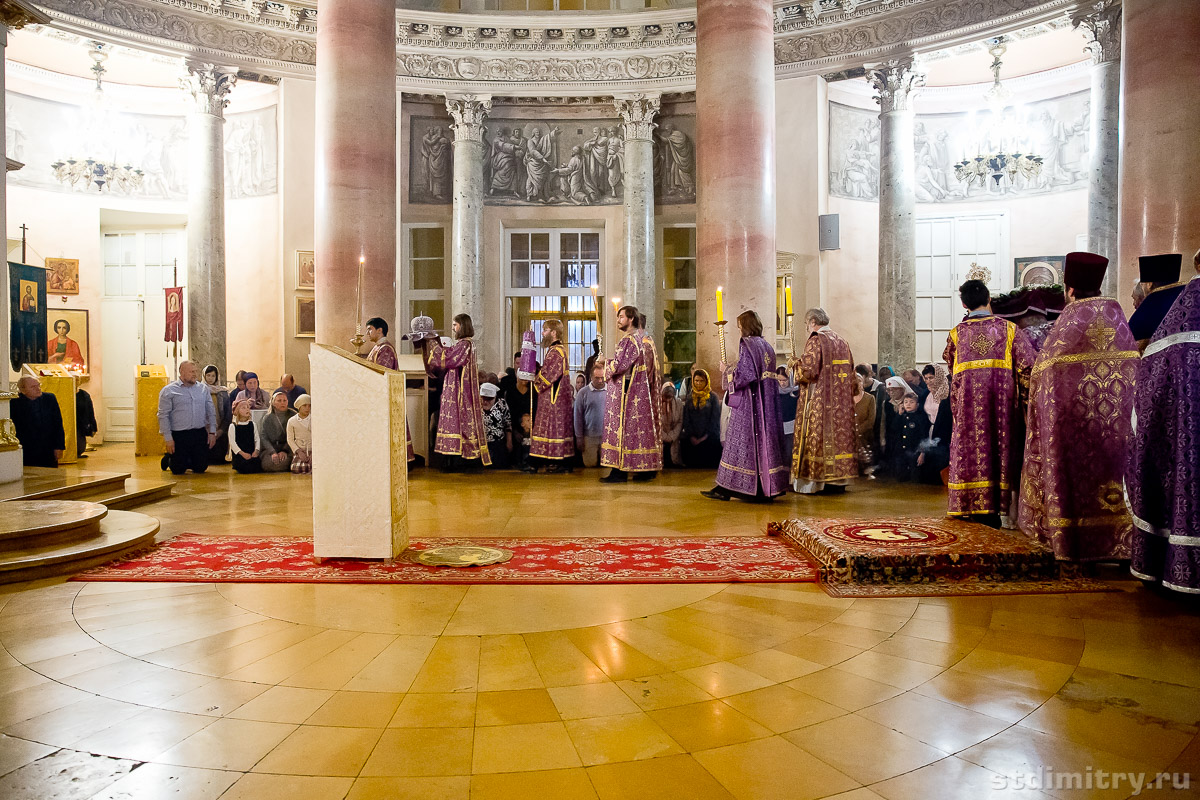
(897, 390)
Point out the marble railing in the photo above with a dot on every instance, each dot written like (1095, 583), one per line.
(548, 53)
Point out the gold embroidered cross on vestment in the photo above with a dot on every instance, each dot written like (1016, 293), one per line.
(982, 345)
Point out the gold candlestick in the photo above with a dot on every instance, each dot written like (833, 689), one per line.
(721, 323)
(599, 328)
(358, 339)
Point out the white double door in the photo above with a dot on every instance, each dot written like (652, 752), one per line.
(946, 248)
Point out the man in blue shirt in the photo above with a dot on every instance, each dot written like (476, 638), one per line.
(187, 421)
(589, 417)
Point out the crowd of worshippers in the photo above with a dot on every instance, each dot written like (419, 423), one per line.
(203, 423)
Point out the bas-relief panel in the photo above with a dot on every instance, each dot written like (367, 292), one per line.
(551, 162)
(40, 132)
(1056, 129)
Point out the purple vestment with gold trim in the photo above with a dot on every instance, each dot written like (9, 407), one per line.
(631, 440)
(753, 452)
(826, 440)
(554, 423)
(1078, 434)
(384, 354)
(460, 422)
(1163, 477)
(990, 360)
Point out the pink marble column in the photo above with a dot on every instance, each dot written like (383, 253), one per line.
(355, 166)
(1160, 131)
(735, 166)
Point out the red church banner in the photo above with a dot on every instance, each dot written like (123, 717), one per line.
(174, 329)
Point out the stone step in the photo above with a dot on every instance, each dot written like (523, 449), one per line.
(40, 483)
(32, 524)
(120, 531)
(138, 492)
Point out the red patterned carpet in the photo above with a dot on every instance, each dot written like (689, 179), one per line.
(191, 557)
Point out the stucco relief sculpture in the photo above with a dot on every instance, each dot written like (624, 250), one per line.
(1056, 129)
(157, 142)
(551, 161)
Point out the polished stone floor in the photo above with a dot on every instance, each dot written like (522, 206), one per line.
(747, 691)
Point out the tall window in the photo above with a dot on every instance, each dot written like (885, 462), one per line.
(679, 307)
(550, 275)
(137, 264)
(426, 274)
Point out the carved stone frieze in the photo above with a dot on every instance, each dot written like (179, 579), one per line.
(470, 112)
(209, 85)
(895, 82)
(471, 68)
(1100, 24)
(637, 114)
(16, 14)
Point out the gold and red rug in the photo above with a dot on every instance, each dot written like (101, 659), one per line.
(917, 556)
(192, 557)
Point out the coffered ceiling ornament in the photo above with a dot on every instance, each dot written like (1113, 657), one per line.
(622, 51)
(1100, 24)
(16, 14)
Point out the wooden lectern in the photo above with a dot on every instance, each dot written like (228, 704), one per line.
(360, 457)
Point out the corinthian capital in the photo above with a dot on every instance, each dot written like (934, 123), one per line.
(637, 114)
(895, 82)
(209, 85)
(1100, 24)
(469, 111)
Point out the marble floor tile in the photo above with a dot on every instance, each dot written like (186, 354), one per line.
(644, 780)
(793, 774)
(417, 752)
(703, 726)
(316, 750)
(843, 743)
(626, 737)
(517, 748)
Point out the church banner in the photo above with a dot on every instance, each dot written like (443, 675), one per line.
(27, 293)
(174, 325)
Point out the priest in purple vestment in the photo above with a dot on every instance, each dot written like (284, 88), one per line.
(990, 360)
(752, 463)
(1160, 285)
(383, 353)
(1079, 435)
(460, 421)
(1163, 478)
(631, 442)
(554, 420)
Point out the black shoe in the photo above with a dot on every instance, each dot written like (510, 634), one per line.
(642, 477)
(529, 469)
(166, 462)
(616, 476)
(558, 469)
(831, 489)
(716, 493)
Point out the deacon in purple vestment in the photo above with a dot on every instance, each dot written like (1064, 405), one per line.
(1163, 478)
(554, 422)
(1079, 434)
(383, 353)
(460, 421)
(752, 460)
(826, 442)
(631, 442)
(654, 372)
(990, 360)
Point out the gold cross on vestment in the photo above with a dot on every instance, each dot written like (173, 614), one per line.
(982, 345)
(1101, 334)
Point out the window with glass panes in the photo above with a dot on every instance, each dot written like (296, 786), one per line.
(143, 263)
(678, 268)
(550, 275)
(426, 288)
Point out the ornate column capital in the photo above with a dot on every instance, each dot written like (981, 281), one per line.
(1100, 23)
(637, 114)
(895, 82)
(469, 111)
(209, 85)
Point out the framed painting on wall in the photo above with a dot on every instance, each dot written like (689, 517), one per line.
(306, 317)
(67, 340)
(306, 269)
(1038, 270)
(62, 275)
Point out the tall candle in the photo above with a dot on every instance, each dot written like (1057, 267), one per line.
(358, 310)
(787, 300)
(720, 306)
(616, 301)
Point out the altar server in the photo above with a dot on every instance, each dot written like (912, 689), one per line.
(823, 456)
(631, 443)
(460, 422)
(553, 425)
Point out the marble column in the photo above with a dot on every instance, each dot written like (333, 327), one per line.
(735, 167)
(355, 206)
(469, 112)
(895, 83)
(641, 270)
(1100, 23)
(209, 85)
(1160, 121)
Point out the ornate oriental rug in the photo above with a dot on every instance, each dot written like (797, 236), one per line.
(191, 557)
(915, 557)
